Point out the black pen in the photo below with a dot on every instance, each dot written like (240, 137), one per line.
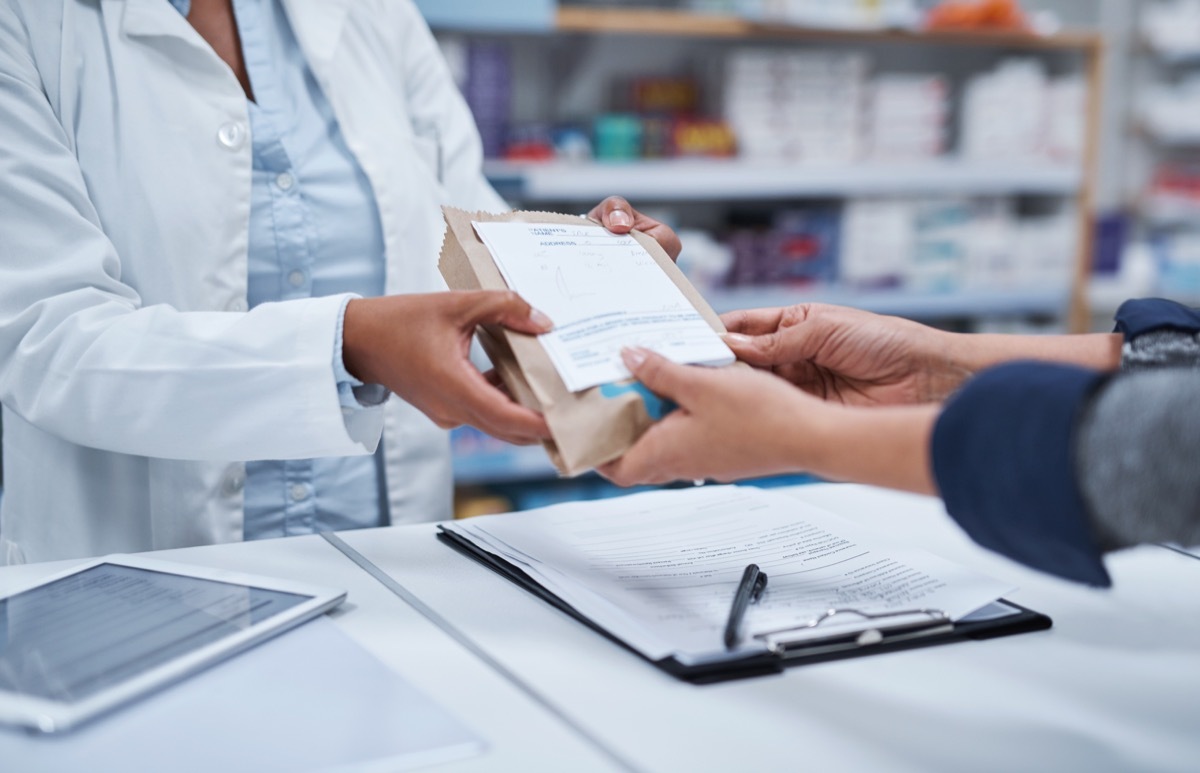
(750, 590)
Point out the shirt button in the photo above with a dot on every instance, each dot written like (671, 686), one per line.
(299, 492)
(297, 277)
(232, 135)
(234, 481)
(285, 181)
(237, 304)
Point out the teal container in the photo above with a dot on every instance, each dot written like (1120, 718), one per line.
(618, 137)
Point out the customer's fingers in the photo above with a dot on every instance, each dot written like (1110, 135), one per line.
(753, 322)
(660, 375)
(649, 461)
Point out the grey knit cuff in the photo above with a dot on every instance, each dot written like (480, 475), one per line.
(1161, 349)
(1135, 453)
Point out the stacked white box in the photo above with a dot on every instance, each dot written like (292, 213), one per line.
(1044, 247)
(942, 229)
(848, 14)
(953, 243)
(907, 115)
(1066, 120)
(796, 106)
(992, 262)
(877, 241)
(1172, 111)
(1004, 112)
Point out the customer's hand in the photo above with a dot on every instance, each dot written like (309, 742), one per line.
(616, 214)
(848, 356)
(731, 423)
(417, 346)
(736, 423)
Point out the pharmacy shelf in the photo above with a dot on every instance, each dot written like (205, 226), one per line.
(734, 179)
(1107, 293)
(547, 16)
(1166, 211)
(1176, 57)
(674, 23)
(1167, 137)
(928, 306)
(1175, 139)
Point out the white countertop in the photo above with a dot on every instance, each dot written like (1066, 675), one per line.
(1115, 685)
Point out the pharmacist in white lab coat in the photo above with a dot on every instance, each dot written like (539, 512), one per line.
(193, 197)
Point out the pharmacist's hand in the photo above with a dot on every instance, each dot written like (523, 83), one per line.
(846, 355)
(731, 423)
(616, 214)
(417, 346)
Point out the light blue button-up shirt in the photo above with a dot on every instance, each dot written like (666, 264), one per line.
(314, 231)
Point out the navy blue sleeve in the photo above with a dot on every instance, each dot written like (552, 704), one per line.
(1003, 461)
(1146, 315)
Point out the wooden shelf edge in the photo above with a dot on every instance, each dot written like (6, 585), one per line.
(651, 21)
(647, 21)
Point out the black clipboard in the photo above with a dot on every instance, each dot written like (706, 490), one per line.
(1023, 620)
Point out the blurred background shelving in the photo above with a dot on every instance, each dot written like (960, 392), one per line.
(1163, 160)
(689, 179)
(835, 151)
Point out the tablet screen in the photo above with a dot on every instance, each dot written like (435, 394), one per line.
(71, 638)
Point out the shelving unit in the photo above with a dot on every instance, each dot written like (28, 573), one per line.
(730, 180)
(709, 182)
(1163, 133)
(666, 22)
(929, 306)
(735, 180)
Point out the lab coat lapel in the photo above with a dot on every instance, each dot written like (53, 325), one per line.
(156, 24)
(152, 19)
(317, 25)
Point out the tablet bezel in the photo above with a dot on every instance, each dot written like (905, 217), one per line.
(49, 716)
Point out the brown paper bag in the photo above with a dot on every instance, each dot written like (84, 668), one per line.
(590, 427)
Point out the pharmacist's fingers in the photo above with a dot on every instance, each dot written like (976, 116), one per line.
(661, 376)
(494, 379)
(504, 307)
(615, 214)
(753, 322)
(660, 232)
(492, 411)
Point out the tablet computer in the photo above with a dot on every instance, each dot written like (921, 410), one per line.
(107, 631)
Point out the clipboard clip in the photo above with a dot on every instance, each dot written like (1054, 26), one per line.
(893, 626)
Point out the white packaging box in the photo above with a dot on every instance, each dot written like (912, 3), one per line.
(1066, 118)
(1004, 113)
(876, 240)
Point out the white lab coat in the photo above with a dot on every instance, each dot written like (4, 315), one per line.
(134, 381)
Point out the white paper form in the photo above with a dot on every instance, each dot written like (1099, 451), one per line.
(603, 292)
(659, 570)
